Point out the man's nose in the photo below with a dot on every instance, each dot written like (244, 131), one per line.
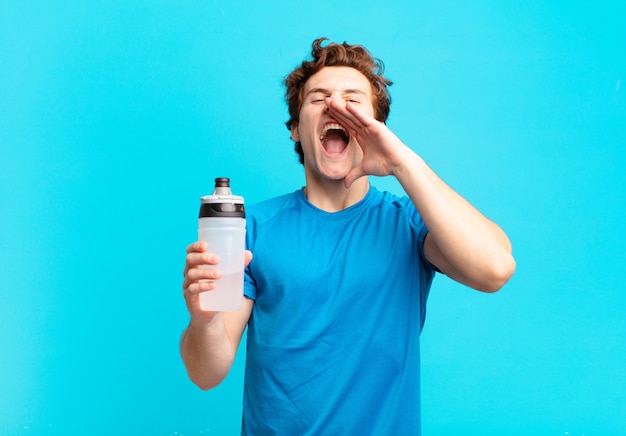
(335, 95)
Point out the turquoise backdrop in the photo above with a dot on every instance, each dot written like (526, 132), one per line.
(116, 116)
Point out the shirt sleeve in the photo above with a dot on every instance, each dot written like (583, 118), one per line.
(249, 284)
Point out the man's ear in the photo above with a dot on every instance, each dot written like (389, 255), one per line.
(295, 134)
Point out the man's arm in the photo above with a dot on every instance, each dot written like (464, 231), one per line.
(209, 344)
(208, 348)
(462, 242)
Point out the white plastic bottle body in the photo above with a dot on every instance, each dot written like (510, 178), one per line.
(227, 238)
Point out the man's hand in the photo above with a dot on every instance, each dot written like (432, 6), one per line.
(200, 275)
(383, 151)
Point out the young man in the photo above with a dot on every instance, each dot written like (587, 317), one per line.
(337, 289)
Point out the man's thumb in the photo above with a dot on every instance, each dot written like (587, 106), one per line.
(354, 174)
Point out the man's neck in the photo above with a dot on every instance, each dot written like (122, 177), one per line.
(332, 196)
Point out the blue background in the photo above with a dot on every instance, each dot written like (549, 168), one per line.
(116, 116)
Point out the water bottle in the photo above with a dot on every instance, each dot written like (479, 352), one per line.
(222, 226)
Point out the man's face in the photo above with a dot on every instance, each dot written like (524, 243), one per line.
(328, 151)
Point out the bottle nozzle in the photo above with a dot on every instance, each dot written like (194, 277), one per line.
(222, 186)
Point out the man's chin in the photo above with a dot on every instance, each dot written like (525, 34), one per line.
(330, 175)
(331, 170)
(336, 172)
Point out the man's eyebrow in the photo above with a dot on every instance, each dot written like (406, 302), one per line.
(328, 92)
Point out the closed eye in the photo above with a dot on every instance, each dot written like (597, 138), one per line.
(352, 98)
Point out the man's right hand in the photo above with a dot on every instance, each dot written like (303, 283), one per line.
(199, 276)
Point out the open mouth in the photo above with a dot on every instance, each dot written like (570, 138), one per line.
(334, 139)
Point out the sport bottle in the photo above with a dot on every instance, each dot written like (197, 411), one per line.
(222, 226)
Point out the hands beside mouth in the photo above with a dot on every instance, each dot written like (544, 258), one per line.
(383, 151)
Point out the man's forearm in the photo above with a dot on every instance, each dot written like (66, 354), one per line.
(207, 352)
(477, 251)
